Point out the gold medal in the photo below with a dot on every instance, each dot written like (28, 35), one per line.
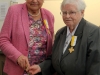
(71, 49)
(73, 43)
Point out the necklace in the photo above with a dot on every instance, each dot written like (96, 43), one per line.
(34, 15)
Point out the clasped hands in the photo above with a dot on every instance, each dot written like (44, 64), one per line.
(24, 63)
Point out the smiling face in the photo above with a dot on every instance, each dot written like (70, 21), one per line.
(34, 5)
(71, 15)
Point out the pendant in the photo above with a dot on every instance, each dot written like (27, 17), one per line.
(71, 49)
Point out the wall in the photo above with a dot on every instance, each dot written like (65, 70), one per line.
(8, 1)
(92, 12)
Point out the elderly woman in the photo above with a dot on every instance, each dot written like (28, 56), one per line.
(26, 36)
(76, 49)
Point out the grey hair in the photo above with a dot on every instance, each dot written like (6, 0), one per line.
(79, 3)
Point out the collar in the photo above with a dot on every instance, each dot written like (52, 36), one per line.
(68, 31)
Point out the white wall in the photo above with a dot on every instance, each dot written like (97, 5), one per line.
(3, 1)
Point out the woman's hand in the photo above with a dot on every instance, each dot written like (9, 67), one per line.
(23, 62)
(34, 69)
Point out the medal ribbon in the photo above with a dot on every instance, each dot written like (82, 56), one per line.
(73, 40)
(47, 26)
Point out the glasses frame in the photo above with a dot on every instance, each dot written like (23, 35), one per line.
(71, 13)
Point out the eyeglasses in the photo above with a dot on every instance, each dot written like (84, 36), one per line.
(71, 13)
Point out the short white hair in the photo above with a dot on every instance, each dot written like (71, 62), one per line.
(79, 3)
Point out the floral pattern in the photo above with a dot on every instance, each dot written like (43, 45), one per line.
(38, 41)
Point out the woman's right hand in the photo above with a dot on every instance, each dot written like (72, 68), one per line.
(23, 62)
(34, 69)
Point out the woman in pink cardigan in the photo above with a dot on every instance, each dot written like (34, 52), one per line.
(26, 36)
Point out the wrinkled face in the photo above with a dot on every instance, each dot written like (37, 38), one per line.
(71, 15)
(34, 4)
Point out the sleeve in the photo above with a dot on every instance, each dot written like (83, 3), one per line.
(6, 37)
(46, 67)
(93, 53)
